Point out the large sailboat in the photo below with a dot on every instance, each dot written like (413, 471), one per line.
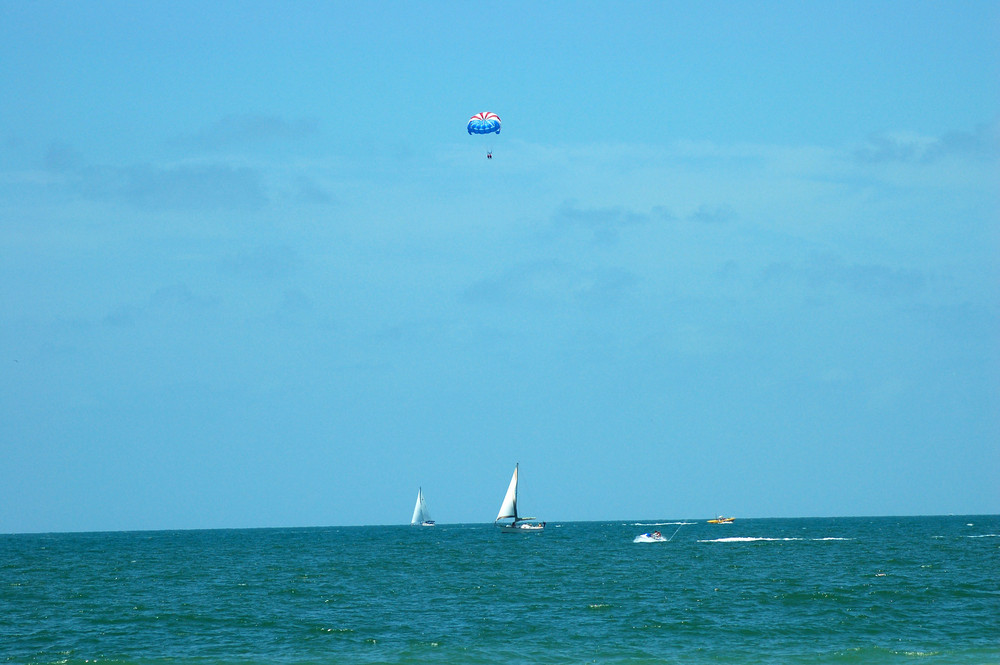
(508, 511)
(421, 516)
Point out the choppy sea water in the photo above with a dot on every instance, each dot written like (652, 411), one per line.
(847, 590)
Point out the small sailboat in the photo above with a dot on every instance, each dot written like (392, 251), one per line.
(508, 511)
(421, 516)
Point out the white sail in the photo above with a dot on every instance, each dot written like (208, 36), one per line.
(420, 513)
(508, 510)
(509, 506)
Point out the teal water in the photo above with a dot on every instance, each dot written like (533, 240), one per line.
(848, 590)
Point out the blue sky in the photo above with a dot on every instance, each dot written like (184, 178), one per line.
(728, 257)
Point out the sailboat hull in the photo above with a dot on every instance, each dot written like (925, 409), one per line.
(521, 527)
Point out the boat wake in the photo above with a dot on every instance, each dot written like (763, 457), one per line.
(661, 523)
(754, 539)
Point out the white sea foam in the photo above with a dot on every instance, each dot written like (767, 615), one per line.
(742, 539)
(754, 539)
(659, 523)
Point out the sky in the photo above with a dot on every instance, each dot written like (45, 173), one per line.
(728, 257)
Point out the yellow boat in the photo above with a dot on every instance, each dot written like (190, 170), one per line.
(722, 520)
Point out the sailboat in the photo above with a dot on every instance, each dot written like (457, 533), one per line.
(421, 516)
(508, 511)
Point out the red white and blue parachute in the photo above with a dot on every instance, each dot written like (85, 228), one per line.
(484, 123)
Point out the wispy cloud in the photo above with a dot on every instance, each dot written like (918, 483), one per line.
(264, 263)
(706, 214)
(552, 282)
(195, 186)
(248, 130)
(824, 271)
(983, 142)
(607, 224)
(604, 223)
(168, 302)
(307, 190)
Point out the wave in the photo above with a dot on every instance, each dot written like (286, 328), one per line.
(659, 523)
(743, 539)
(754, 539)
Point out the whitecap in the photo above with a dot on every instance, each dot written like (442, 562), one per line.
(747, 539)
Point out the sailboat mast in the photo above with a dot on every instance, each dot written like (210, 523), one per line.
(514, 483)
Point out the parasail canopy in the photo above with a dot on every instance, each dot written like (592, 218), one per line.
(484, 123)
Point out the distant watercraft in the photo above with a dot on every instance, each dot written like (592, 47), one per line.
(508, 511)
(655, 537)
(722, 520)
(421, 516)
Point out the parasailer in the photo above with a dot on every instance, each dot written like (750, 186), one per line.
(484, 123)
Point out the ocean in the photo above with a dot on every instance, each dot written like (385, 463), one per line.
(839, 590)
